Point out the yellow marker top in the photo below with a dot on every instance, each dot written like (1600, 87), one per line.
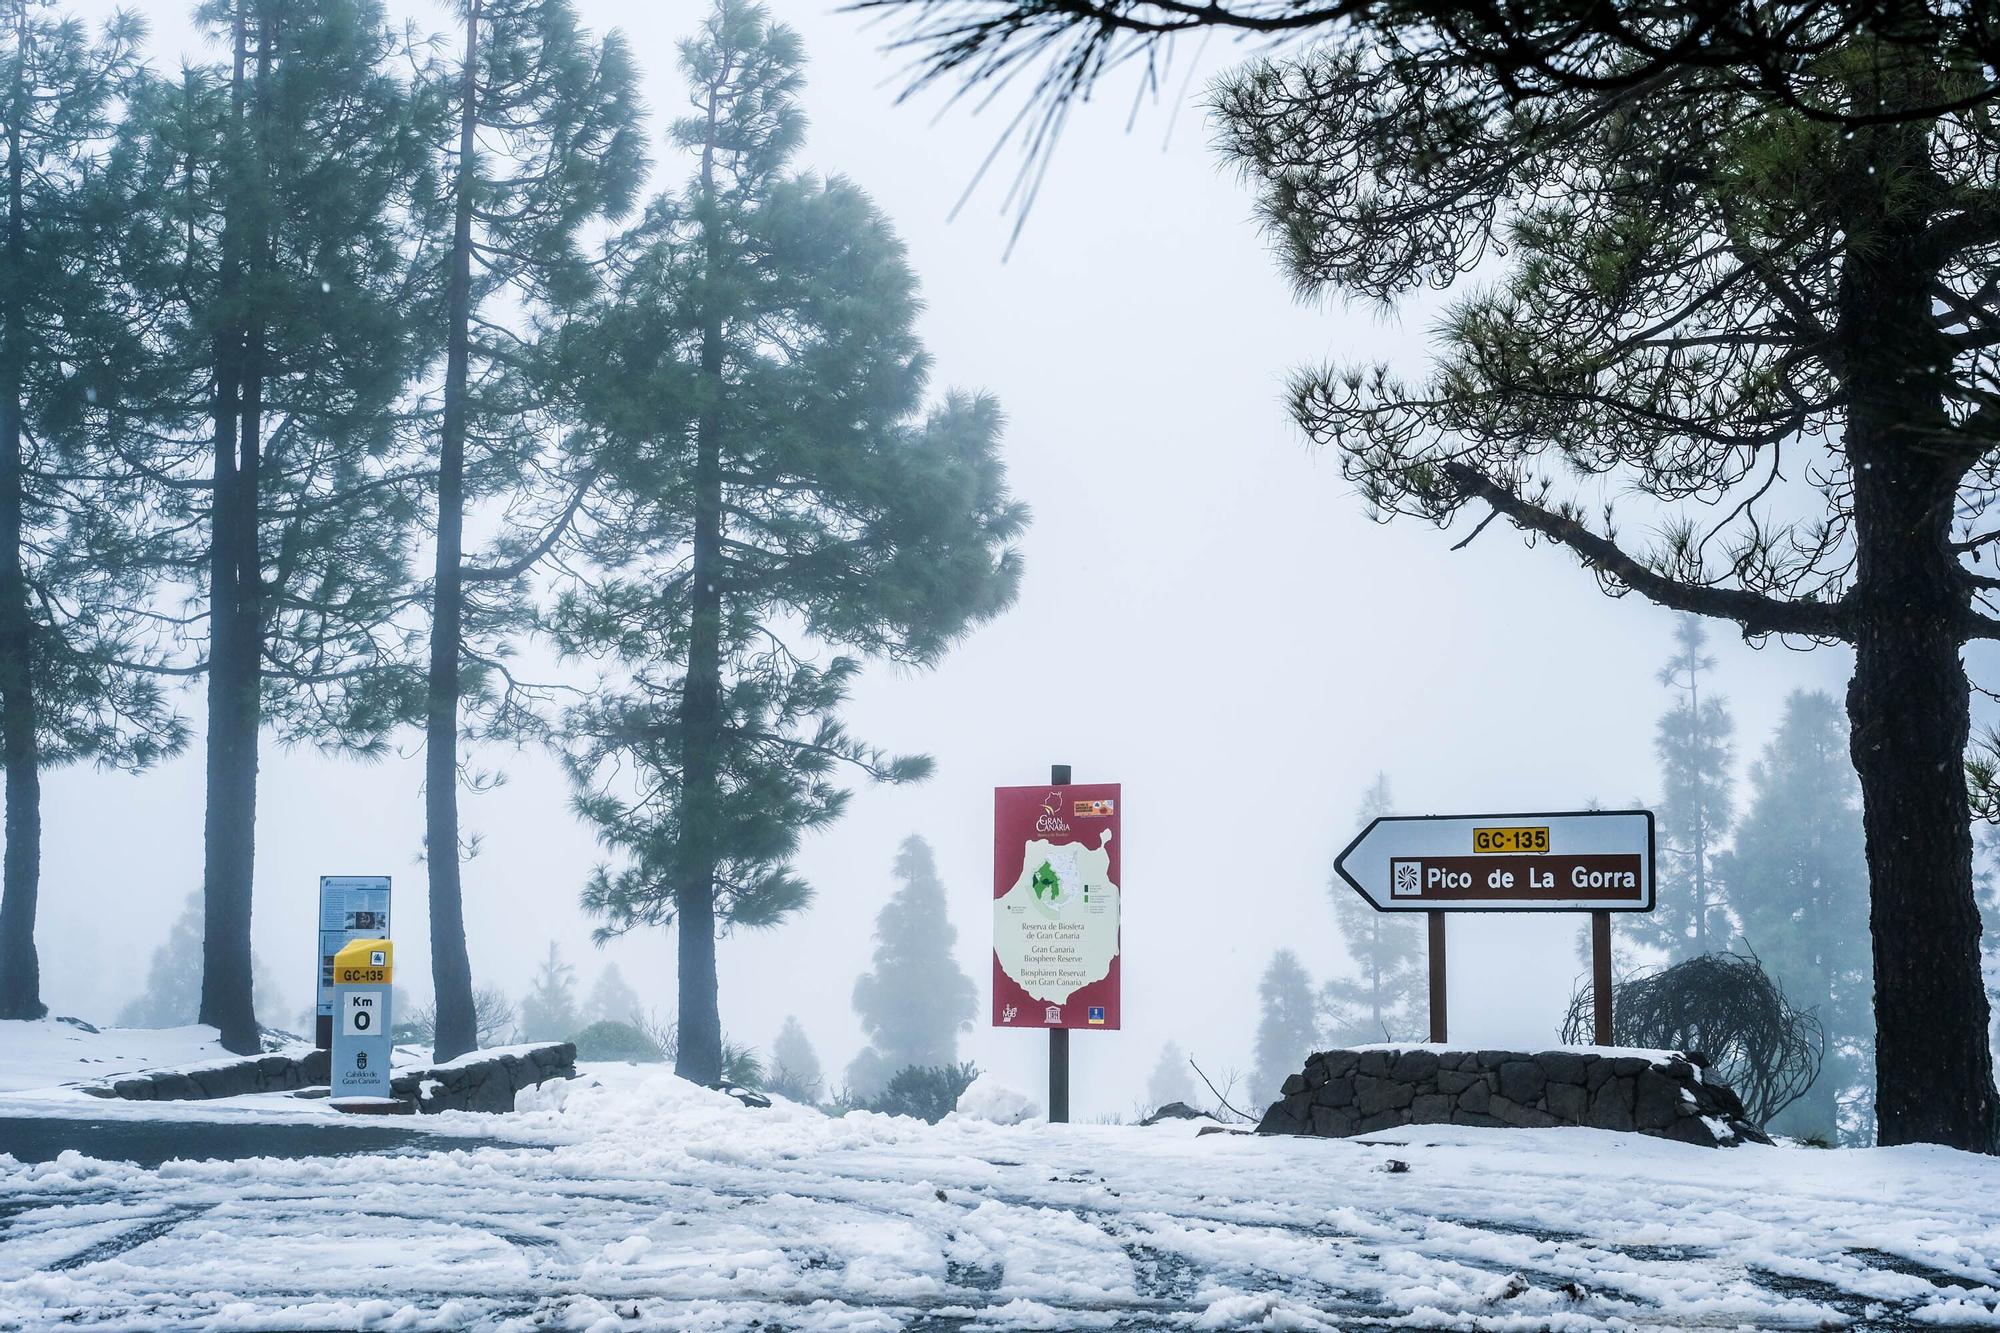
(365, 963)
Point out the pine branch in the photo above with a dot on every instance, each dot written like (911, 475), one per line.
(542, 546)
(1757, 613)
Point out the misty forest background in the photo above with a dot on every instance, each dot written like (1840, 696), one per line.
(424, 397)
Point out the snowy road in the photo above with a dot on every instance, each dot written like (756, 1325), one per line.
(647, 1203)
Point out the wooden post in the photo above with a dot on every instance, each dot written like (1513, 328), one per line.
(1438, 1027)
(1059, 1037)
(1600, 976)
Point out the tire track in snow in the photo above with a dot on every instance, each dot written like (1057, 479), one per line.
(130, 1239)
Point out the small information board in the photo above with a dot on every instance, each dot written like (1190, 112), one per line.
(351, 907)
(1056, 906)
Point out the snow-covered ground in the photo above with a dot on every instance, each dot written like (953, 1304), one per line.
(45, 1065)
(637, 1200)
(51, 1052)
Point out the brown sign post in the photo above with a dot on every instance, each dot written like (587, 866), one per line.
(1438, 1024)
(1596, 861)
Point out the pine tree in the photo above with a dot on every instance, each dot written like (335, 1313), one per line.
(1619, 347)
(548, 1010)
(915, 1001)
(1696, 805)
(795, 1070)
(1288, 1026)
(1384, 1000)
(1530, 51)
(285, 303)
(611, 999)
(76, 568)
(542, 140)
(775, 492)
(1799, 880)
(1170, 1080)
(171, 997)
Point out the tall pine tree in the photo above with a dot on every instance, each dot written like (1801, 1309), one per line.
(78, 550)
(549, 1010)
(1696, 804)
(286, 302)
(541, 138)
(1170, 1080)
(777, 494)
(795, 1070)
(1382, 1001)
(1287, 1025)
(611, 999)
(1799, 880)
(171, 996)
(1774, 326)
(915, 1000)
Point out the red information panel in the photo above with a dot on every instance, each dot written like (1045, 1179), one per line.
(1056, 895)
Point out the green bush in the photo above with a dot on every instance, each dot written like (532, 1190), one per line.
(928, 1092)
(612, 1040)
(741, 1065)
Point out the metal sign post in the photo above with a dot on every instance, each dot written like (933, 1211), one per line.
(1059, 776)
(1438, 1025)
(1596, 861)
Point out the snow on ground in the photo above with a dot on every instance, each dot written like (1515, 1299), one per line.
(45, 1064)
(50, 1051)
(637, 1200)
(987, 1098)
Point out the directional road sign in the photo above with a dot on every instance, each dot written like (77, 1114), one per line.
(1592, 860)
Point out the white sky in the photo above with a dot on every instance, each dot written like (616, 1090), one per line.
(1208, 617)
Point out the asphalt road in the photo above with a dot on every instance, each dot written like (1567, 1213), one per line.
(148, 1143)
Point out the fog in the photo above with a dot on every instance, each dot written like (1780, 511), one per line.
(1208, 616)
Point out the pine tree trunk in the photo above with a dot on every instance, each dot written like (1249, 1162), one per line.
(1908, 702)
(698, 1056)
(228, 833)
(1910, 709)
(235, 641)
(451, 968)
(20, 968)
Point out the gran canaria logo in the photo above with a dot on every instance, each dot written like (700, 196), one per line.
(1051, 820)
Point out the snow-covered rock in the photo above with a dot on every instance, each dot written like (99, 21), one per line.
(991, 1100)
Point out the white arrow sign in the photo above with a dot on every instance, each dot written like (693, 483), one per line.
(1594, 860)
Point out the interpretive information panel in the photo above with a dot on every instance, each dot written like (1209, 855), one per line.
(351, 907)
(1056, 906)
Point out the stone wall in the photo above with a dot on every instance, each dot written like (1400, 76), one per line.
(1665, 1094)
(276, 1072)
(481, 1081)
(484, 1080)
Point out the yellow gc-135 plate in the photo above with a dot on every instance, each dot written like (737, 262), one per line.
(365, 963)
(1497, 841)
